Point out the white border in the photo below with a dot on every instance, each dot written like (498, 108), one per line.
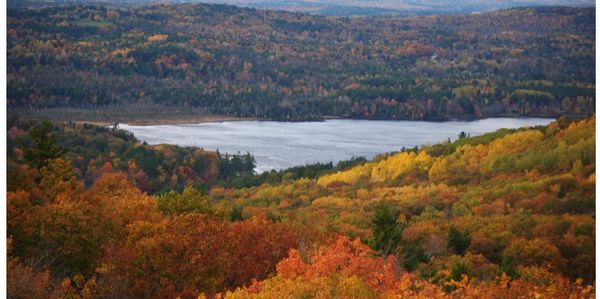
(3, 153)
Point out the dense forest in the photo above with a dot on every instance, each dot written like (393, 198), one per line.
(93, 150)
(244, 62)
(507, 214)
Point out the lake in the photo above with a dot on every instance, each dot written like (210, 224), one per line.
(278, 145)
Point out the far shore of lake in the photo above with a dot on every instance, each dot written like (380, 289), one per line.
(170, 121)
(178, 116)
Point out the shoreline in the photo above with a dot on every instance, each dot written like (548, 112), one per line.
(177, 121)
(157, 120)
(217, 119)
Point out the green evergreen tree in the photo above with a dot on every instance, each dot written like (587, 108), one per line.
(458, 240)
(44, 147)
(508, 266)
(386, 230)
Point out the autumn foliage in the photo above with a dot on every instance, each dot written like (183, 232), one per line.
(348, 269)
(508, 214)
(186, 60)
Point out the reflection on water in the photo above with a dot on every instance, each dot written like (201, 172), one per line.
(277, 145)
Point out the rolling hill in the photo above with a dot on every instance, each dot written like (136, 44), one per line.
(509, 214)
(243, 62)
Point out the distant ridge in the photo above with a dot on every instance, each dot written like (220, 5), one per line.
(344, 8)
(289, 66)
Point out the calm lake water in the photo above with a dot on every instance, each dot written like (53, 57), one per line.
(278, 145)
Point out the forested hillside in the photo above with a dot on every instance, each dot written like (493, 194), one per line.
(508, 214)
(93, 151)
(242, 62)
